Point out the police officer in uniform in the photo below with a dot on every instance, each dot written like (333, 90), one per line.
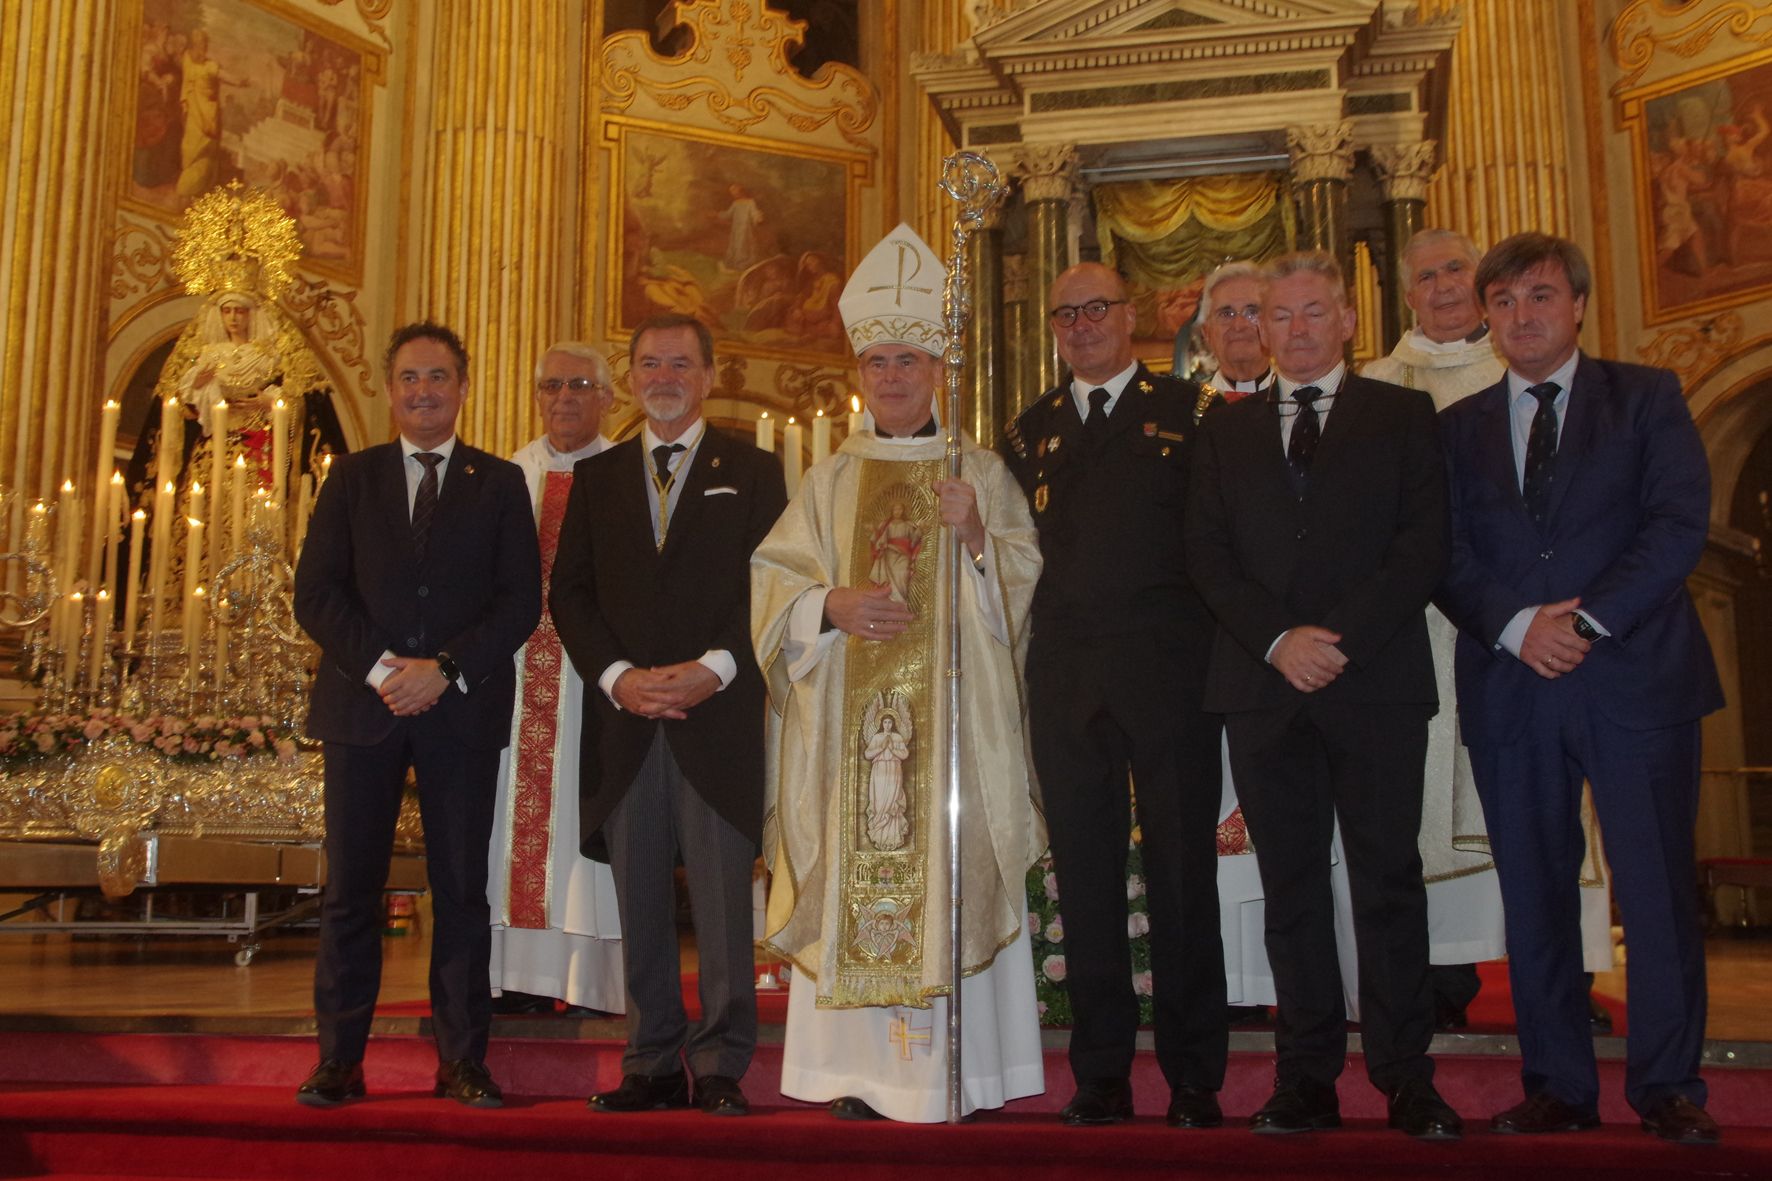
(1116, 676)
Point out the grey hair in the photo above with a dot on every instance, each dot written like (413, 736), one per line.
(1239, 269)
(1422, 239)
(581, 350)
(1306, 262)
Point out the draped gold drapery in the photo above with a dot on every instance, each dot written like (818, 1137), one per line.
(1166, 233)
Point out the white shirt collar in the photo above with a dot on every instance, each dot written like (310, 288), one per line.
(688, 438)
(1219, 381)
(1564, 377)
(1329, 383)
(569, 458)
(446, 448)
(1115, 386)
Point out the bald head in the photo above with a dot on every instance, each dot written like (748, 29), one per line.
(1095, 349)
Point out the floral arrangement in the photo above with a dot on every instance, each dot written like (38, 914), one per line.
(1046, 927)
(202, 739)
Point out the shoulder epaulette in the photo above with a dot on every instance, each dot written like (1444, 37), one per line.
(1012, 432)
(1204, 401)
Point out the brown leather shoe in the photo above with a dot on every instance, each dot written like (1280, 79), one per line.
(1099, 1101)
(644, 1092)
(332, 1083)
(719, 1094)
(1679, 1119)
(468, 1083)
(1541, 1113)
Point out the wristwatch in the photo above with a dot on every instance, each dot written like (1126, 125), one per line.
(1586, 630)
(446, 665)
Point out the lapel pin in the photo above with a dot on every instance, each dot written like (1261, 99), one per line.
(468, 471)
(1053, 442)
(1058, 401)
(1150, 430)
(1144, 387)
(716, 462)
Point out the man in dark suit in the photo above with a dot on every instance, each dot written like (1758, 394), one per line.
(419, 579)
(1316, 533)
(1116, 672)
(651, 594)
(1580, 502)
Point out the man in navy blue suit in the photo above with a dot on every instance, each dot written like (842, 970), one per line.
(1580, 501)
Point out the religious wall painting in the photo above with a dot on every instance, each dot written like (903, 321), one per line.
(252, 90)
(1701, 150)
(751, 237)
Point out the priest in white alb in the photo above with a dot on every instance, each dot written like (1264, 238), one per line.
(555, 931)
(850, 624)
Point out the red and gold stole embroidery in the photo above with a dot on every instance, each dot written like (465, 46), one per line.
(532, 788)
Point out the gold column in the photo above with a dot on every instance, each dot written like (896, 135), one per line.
(1018, 390)
(1506, 151)
(1322, 160)
(984, 332)
(56, 65)
(494, 197)
(1403, 174)
(1047, 173)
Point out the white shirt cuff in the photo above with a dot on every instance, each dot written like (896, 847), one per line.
(1268, 656)
(1514, 634)
(379, 672)
(1597, 625)
(720, 662)
(612, 674)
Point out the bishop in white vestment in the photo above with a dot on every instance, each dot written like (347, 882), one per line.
(849, 621)
(555, 930)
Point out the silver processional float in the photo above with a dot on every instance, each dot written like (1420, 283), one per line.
(972, 181)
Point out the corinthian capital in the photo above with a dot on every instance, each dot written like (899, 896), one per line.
(1404, 170)
(1322, 151)
(1047, 172)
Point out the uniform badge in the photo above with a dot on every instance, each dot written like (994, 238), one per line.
(1150, 430)
(1053, 442)
(1144, 387)
(468, 471)
(716, 462)
(1040, 451)
(1165, 451)
(1059, 400)
(1041, 496)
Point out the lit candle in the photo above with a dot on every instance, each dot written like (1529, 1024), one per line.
(821, 436)
(172, 440)
(218, 476)
(855, 414)
(62, 563)
(101, 630)
(303, 498)
(113, 526)
(237, 527)
(193, 569)
(132, 590)
(325, 470)
(73, 631)
(194, 614)
(107, 457)
(791, 456)
(280, 452)
(765, 432)
(161, 568)
(198, 502)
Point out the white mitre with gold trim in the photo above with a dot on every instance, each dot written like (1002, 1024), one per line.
(894, 296)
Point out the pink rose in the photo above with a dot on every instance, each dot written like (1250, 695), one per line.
(1053, 968)
(1141, 983)
(45, 740)
(286, 752)
(94, 729)
(141, 731)
(1055, 930)
(1033, 919)
(1134, 887)
(1138, 923)
(256, 739)
(1050, 881)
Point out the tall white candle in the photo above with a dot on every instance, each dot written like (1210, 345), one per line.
(237, 523)
(190, 621)
(62, 563)
(218, 478)
(132, 591)
(765, 432)
(162, 559)
(172, 441)
(194, 629)
(101, 634)
(196, 508)
(821, 437)
(113, 526)
(107, 457)
(791, 456)
(855, 414)
(280, 452)
(303, 499)
(73, 630)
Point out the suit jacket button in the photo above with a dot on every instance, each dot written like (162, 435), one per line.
(1301, 533)
(412, 642)
(1545, 555)
(423, 591)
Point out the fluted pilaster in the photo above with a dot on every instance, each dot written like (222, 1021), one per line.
(984, 332)
(1404, 171)
(1048, 174)
(1322, 160)
(493, 199)
(56, 65)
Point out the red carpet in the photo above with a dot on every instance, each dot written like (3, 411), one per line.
(772, 1004)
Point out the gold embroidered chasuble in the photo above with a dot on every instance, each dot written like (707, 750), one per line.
(855, 817)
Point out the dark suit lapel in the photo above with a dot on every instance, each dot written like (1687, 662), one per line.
(461, 484)
(1342, 423)
(697, 477)
(1588, 394)
(1495, 438)
(632, 508)
(390, 493)
(1132, 407)
(1267, 448)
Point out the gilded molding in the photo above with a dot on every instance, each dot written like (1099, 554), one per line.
(1405, 170)
(372, 13)
(1322, 151)
(1047, 172)
(1695, 351)
(1635, 42)
(811, 388)
(139, 257)
(332, 319)
(734, 33)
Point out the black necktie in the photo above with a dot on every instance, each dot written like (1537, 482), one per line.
(1541, 451)
(424, 505)
(1095, 426)
(1306, 430)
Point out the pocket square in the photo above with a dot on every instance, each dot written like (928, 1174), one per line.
(720, 492)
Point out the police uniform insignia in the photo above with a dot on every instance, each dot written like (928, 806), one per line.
(1053, 442)
(1059, 400)
(1150, 430)
(1041, 496)
(1040, 451)
(1144, 387)
(716, 462)
(1012, 432)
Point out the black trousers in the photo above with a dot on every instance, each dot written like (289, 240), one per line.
(456, 789)
(1099, 712)
(1297, 769)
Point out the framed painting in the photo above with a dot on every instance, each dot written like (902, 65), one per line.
(1701, 154)
(753, 237)
(250, 90)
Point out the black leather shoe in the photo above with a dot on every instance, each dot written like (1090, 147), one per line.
(1450, 1017)
(1300, 1106)
(520, 1004)
(1679, 1119)
(719, 1094)
(1194, 1107)
(1417, 1109)
(1098, 1101)
(333, 1082)
(468, 1083)
(849, 1107)
(1541, 1113)
(644, 1092)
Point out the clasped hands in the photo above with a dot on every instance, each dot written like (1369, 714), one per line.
(1308, 657)
(1551, 648)
(413, 687)
(872, 613)
(669, 691)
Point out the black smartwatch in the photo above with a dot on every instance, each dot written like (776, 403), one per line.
(446, 665)
(1586, 630)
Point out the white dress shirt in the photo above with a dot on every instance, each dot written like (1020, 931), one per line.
(415, 471)
(1115, 386)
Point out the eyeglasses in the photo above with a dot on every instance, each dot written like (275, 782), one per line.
(551, 386)
(1227, 313)
(1095, 309)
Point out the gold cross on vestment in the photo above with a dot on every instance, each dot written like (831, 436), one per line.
(901, 1032)
(898, 289)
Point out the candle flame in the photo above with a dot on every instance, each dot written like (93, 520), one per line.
(196, 488)
(116, 477)
(193, 522)
(103, 594)
(855, 403)
(169, 488)
(278, 404)
(110, 404)
(790, 420)
(239, 461)
(38, 507)
(67, 485)
(818, 414)
(138, 515)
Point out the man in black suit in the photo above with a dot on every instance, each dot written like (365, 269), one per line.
(419, 580)
(1316, 533)
(651, 594)
(1116, 672)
